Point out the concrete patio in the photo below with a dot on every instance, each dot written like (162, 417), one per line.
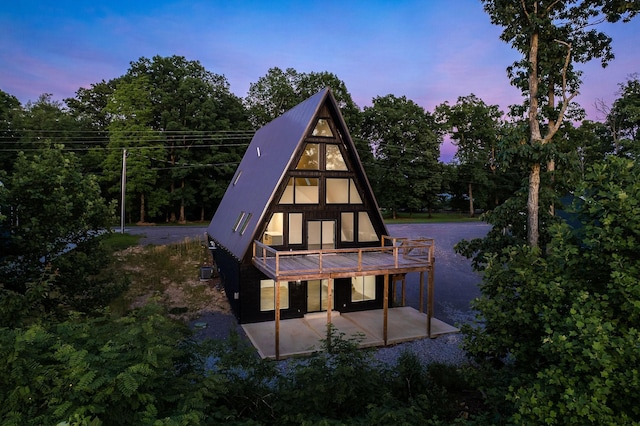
(302, 336)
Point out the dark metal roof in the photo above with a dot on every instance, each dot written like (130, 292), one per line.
(264, 165)
(262, 168)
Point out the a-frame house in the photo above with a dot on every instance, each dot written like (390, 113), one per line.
(298, 205)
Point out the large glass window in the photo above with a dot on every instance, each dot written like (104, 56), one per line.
(363, 288)
(323, 129)
(309, 159)
(366, 232)
(334, 160)
(342, 191)
(295, 228)
(287, 196)
(301, 191)
(275, 228)
(347, 226)
(306, 191)
(337, 191)
(354, 195)
(268, 295)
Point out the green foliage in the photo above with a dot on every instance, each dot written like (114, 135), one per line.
(57, 205)
(278, 91)
(58, 215)
(83, 281)
(336, 383)
(624, 118)
(10, 112)
(405, 144)
(183, 130)
(552, 38)
(141, 368)
(565, 321)
(474, 128)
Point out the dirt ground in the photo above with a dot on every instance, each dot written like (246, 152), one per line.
(186, 299)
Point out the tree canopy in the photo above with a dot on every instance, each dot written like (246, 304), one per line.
(552, 36)
(405, 144)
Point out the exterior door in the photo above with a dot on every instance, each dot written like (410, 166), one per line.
(321, 234)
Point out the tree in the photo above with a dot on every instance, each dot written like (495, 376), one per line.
(46, 120)
(406, 146)
(10, 111)
(56, 209)
(566, 324)
(56, 204)
(279, 91)
(89, 109)
(552, 36)
(186, 106)
(130, 129)
(624, 118)
(474, 128)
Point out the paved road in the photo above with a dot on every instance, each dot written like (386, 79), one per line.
(159, 235)
(456, 284)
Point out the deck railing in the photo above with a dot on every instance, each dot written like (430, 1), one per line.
(393, 253)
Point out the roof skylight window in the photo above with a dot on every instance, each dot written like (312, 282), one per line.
(236, 225)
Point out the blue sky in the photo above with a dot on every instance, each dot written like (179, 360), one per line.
(429, 51)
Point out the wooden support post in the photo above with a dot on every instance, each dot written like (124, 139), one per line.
(393, 290)
(430, 298)
(404, 292)
(277, 320)
(421, 291)
(385, 305)
(329, 308)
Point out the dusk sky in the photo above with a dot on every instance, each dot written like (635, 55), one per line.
(429, 51)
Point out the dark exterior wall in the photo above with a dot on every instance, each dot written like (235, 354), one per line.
(228, 268)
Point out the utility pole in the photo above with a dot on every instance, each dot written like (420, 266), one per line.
(123, 189)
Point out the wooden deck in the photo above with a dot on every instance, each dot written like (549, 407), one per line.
(394, 256)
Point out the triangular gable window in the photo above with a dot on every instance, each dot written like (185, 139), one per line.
(334, 159)
(310, 158)
(322, 129)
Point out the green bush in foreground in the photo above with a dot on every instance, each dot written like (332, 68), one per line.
(566, 321)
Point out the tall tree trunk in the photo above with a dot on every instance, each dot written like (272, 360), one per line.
(182, 219)
(471, 209)
(142, 212)
(172, 188)
(551, 164)
(535, 138)
(202, 214)
(532, 205)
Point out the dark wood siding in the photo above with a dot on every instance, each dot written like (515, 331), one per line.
(229, 270)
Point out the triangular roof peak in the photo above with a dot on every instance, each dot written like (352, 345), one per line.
(263, 167)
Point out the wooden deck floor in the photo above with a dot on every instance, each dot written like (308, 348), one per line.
(412, 256)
